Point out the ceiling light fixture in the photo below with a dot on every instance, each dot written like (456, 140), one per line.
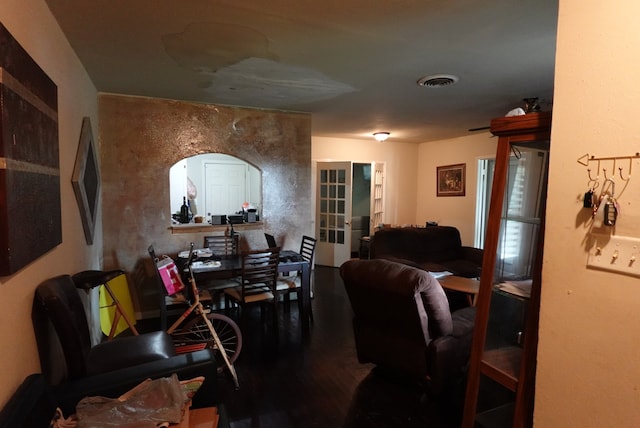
(380, 136)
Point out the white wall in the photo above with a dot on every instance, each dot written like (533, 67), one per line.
(31, 23)
(457, 211)
(589, 347)
(401, 169)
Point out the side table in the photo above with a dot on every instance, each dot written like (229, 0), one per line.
(469, 286)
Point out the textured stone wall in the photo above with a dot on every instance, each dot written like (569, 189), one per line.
(140, 138)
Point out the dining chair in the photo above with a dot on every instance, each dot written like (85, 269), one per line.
(288, 285)
(222, 245)
(257, 283)
(271, 240)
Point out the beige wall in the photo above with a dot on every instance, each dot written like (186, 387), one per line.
(411, 176)
(458, 211)
(589, 348)
(31, 23)
(401, 169)
(141, 138)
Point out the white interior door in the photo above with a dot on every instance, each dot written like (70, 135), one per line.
(333, 213)
(225, 187)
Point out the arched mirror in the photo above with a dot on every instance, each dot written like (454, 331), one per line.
(214, 184)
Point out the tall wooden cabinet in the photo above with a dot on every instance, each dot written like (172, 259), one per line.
(500, 385)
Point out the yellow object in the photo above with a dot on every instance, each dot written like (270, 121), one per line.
(120, 289)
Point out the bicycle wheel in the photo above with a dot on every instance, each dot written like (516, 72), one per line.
(197, 331)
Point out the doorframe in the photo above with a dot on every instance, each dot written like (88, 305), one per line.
(314, 187)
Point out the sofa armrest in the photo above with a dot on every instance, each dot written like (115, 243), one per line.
(129, 351)
(115, 383)
(472, 254)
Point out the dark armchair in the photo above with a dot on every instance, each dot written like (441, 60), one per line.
(76, 369)
(402, 322)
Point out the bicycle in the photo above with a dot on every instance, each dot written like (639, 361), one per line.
(203, 328)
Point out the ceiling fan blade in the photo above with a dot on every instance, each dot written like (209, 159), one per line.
(482, 128)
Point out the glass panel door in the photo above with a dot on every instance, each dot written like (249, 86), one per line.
(333, 213)
(377, 196)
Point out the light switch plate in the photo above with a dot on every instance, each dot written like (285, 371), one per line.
(615, 253)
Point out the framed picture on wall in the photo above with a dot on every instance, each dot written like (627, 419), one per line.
(86, 180)
(451, 180)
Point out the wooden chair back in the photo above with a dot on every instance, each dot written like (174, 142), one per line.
(222, 245)
(271, 240)
(308, 248)
(259, 273)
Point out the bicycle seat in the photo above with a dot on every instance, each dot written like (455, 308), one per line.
(89, 279)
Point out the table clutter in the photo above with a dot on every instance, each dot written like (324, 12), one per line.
(162, 402)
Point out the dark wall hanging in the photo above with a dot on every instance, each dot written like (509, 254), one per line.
(30, 220)
(86, 180)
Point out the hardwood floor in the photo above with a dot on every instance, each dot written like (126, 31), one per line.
(316, 380)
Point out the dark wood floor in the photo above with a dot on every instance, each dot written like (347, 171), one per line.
(315, 380)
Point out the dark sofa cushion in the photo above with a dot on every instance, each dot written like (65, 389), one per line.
(118, 354)
(430, 244)
(434, 249)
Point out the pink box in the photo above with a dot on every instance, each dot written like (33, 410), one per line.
(170, 276)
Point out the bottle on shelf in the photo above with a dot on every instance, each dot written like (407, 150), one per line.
(184, 211)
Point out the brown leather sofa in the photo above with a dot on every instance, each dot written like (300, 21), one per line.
(432, 248)
(402, 321)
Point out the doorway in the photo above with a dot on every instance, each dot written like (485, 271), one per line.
(360, 205)
(349, 202)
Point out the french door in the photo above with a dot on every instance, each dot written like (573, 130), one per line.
(333, 209)
(333, 213)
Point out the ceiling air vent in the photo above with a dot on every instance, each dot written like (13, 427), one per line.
(438, 80)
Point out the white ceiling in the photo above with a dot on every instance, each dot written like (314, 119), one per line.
(353, 64)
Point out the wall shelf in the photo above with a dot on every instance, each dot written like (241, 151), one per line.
(206, 227)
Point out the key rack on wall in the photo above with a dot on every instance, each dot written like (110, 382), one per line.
(608, 250)
(603, 173)
(601, 196)
(587, 161)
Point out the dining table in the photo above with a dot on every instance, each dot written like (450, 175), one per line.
(207, 266)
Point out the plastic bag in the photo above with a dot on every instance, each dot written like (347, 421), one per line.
(149, 404)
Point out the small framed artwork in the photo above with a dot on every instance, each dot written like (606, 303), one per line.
(86, 180)
(450, 180)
